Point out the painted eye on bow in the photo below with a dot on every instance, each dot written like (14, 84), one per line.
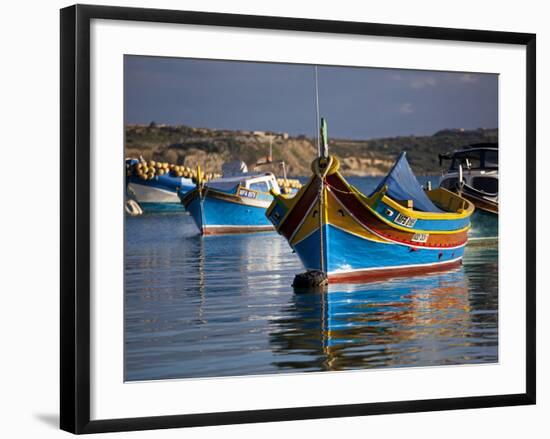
(341, 212)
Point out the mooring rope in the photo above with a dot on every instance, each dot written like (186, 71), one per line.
(339, 190)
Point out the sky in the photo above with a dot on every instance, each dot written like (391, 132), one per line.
(358, 102)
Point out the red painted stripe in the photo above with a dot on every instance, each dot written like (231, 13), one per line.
(348, 199)
(299, 211)
(386, 273)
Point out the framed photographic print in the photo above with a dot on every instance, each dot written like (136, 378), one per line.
(268, 218)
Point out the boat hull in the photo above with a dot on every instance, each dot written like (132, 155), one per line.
(351, 257)
(481, 201)
(156, 197)
(484, 220)
(216, 214)
(150, 194)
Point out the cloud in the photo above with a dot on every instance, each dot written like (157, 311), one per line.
(468, 77)
(406, 108)
(421, 82)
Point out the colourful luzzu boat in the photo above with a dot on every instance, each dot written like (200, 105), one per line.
(399, 229)
(233, 204)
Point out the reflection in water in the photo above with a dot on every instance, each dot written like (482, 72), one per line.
(223, 305)
(416, 321)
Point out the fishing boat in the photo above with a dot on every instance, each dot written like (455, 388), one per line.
(234, 203)
(473, 174)
(154, 185)
(398, 229)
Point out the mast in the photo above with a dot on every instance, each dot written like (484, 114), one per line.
(322, 161)
(324, 138)
(317, 116)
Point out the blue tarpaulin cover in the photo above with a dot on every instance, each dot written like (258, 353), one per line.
(403, 185)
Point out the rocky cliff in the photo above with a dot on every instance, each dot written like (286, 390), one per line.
(210, 148)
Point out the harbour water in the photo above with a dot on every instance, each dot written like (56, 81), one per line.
(223, 306)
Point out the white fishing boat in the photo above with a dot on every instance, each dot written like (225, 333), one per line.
(155, 186)
(473, 174)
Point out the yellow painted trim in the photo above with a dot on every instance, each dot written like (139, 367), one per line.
(290, 203)
(308, 225)
(429, 215)
(235, 199)
(366, 201)
(372, 237)
(412, 230)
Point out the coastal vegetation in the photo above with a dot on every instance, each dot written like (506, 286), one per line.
(210, 148)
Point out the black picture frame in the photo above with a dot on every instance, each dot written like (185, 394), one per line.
(75, 217)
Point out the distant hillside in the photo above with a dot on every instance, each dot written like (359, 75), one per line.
(210, 148)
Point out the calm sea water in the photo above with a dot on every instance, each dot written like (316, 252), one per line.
(223, 306)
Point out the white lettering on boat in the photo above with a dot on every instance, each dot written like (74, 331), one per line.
(405, 220)
(420, 237)
(247, 193)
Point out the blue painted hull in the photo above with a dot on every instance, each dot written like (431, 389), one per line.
(217, 216)
(346, 255)
(162, 207)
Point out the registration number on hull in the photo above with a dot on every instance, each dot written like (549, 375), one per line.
(420, 237)
(246, 193)
(404, 220)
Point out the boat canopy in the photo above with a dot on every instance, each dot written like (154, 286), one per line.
(251, 180)
(475, 156)
(403, 185)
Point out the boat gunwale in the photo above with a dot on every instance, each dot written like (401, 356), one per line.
(295, 200)
(380, 196)
(227, 197)
(394, 240)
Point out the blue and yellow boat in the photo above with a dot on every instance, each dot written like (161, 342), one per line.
(399, 229)
(232, 204)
